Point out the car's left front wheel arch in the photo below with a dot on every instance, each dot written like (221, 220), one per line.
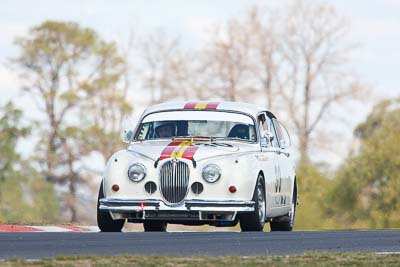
(104, 220)
(255, 220)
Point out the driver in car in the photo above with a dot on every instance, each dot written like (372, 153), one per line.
(166, 129)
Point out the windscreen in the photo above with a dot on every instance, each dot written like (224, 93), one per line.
(213, 124)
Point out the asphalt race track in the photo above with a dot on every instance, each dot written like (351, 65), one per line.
(42, 245)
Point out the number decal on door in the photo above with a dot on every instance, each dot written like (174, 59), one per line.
(278, 185)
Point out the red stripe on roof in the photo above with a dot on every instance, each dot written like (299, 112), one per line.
(190, 105)
(169, 149)
(189, 152)
(212, 105)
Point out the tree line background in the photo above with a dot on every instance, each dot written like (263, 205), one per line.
(294, 60)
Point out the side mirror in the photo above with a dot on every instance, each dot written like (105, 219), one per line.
(127, 136)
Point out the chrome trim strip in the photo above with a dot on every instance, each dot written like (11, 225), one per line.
(223, 209)
(125, 208)
(220, 202)
(128, 202)
(129, 205)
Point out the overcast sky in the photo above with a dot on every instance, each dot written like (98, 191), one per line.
(375, 28)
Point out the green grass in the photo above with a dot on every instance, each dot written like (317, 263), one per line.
(309, 259)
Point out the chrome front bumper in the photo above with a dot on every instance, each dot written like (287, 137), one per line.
(201, 210)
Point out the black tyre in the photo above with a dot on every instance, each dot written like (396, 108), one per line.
(255, 221)
(154, 226)
(104, 220)
(286, 223)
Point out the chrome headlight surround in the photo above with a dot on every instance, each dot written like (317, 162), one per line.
(137, 172)
(211, 173)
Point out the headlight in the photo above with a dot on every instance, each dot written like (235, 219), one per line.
(211, 173)
(137, 172)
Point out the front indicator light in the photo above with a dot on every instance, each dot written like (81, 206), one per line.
(232, 189)
(115, 188)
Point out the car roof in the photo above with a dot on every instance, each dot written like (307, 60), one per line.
(250, 109)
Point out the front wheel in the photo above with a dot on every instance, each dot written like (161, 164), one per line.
(255, 221)
(104, 220)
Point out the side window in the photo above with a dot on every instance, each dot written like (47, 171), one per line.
(143, 131)
(286, 135)
(265, 123)
(278, 131)
(262, 125)
(271, 128)
(282, 133)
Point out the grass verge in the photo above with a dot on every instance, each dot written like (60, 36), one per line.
(308, 259)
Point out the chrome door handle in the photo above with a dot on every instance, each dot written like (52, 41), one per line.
(287, 154)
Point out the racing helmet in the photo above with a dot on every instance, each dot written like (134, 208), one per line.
(160, 131)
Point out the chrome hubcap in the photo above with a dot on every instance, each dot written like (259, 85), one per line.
(292, 212)
(261, 202)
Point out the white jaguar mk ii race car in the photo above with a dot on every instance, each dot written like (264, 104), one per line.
(196, 163)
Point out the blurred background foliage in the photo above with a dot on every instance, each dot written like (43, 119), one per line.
(24, 195)
(293, 59)
(367, 185)
(364, 191)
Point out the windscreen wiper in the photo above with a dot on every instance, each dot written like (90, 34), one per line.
(193, 138)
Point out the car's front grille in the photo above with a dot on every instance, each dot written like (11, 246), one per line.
(174, 181)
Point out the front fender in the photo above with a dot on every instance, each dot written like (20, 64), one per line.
(116, 172)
